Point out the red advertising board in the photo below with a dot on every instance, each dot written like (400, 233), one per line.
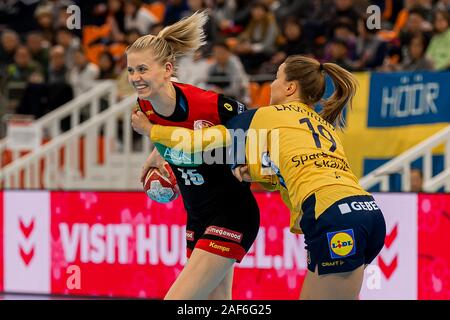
(1, 241)
(434, 240)
(122, 244)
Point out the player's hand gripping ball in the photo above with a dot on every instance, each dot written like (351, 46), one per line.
(160, 188)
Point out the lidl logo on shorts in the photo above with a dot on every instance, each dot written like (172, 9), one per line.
(341, 243)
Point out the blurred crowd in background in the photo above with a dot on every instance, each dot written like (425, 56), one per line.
(44, 64)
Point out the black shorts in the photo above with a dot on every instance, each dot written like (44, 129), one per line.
(350, 233)
(228, 230)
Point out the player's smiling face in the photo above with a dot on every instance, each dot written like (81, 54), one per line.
(146, 75)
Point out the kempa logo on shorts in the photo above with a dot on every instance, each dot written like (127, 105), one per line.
(224, 233)
(216, 246)
(189, 235)
(358, 206)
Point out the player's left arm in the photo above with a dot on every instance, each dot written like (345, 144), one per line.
(190, 141)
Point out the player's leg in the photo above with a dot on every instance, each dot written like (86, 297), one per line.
(334, 286)
(204, 272)
(224, 290)
(225, 240)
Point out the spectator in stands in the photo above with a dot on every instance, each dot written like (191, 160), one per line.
(416, 23)
(339, 54)
(416, 59)
(343, 9)
(45, 19)
(41, 97)
(370, 50)
(8, 45)
(93, 12)
(257, 42)
(70, 43)
(62, 16)
(18, 15)
(38, 49)
(58, 71)
(242, 14)
(439, 49)
(285, 8)
(443, 5)
(137, 17)
(83, 74)
(316, 23)
(18, 74)
(193, 69)
(115, 18)
(343, 30)
(413, 60)
(294, 42)
(224, 13)
(23, 66)
(416, 180)
(227, 75)
(402, 17)
(427, 6)
(175, 10)
(107, 66)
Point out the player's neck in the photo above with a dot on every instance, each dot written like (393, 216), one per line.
(164, 102)
(292, 100)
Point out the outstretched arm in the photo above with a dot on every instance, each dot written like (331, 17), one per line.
(183, 139)
(191, 141)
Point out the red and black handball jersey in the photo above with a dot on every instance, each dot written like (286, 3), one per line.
(204, 187)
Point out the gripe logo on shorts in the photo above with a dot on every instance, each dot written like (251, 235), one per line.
(341, 243)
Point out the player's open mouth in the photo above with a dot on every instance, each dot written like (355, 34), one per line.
(141, 87)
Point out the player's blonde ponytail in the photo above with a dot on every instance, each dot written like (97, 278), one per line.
(310, 75)
(180, 38)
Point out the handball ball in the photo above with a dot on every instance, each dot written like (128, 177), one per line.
(160, 188)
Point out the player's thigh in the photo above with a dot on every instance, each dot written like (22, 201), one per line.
(201, 275)
(334, 286)
(224, 290)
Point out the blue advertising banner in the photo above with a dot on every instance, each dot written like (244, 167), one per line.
(401, 99)
(383, 125)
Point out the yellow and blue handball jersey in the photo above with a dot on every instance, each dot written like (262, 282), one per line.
(288, 147)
